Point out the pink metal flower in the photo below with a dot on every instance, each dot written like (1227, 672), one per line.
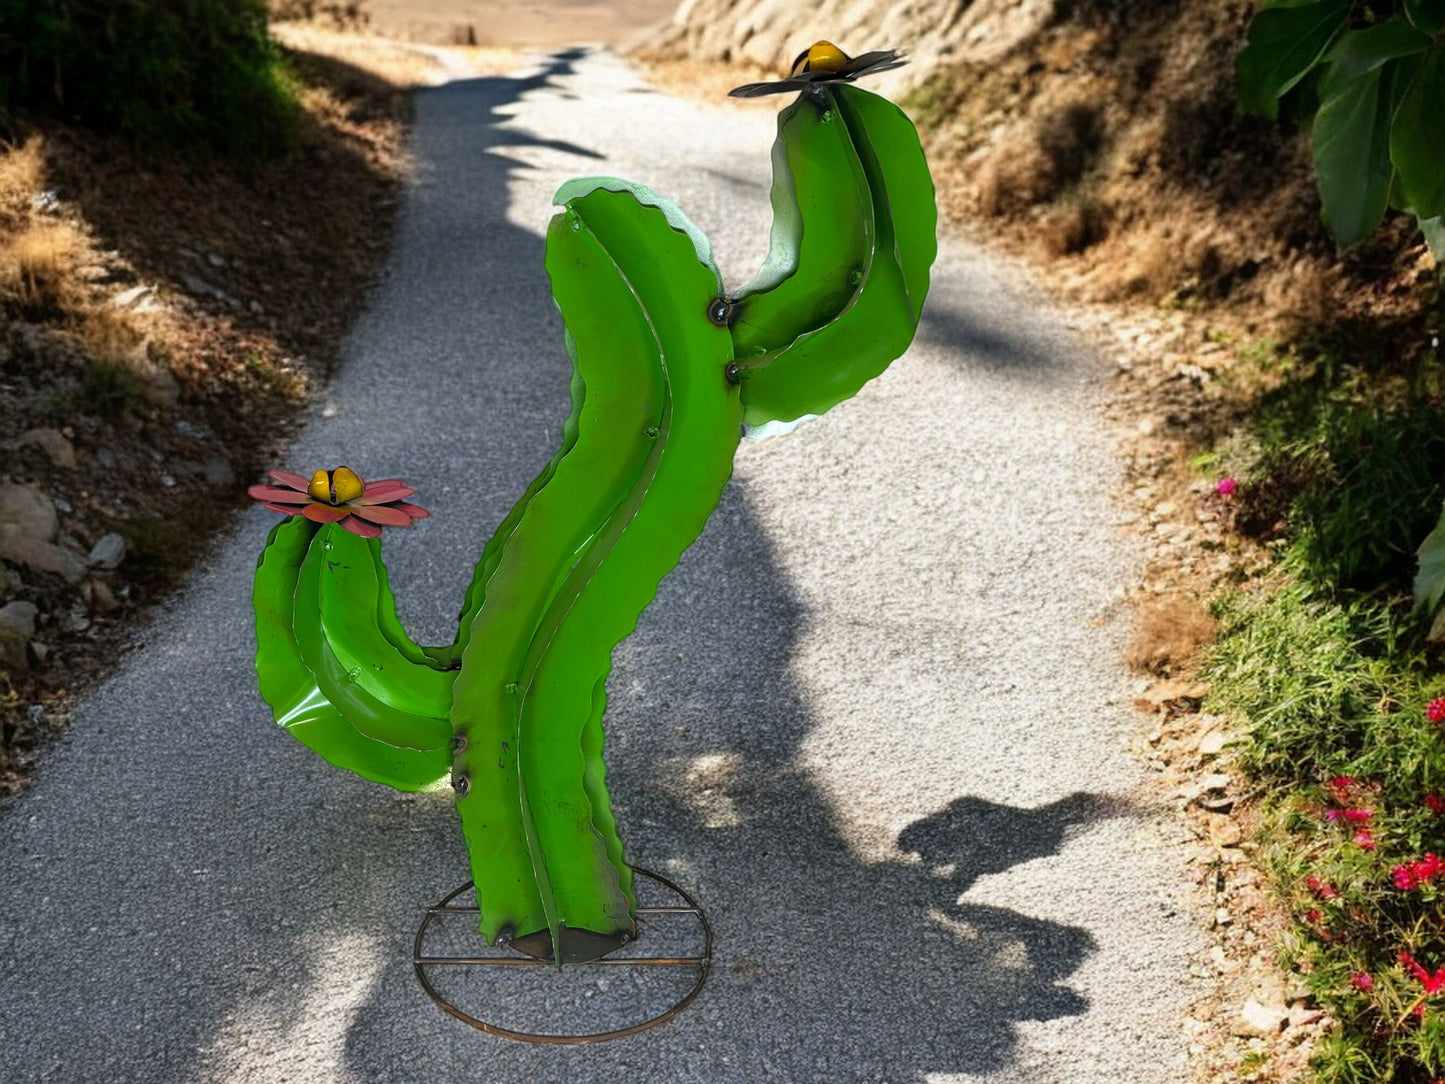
(340, 496)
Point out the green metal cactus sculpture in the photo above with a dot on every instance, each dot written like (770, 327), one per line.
(669, 369)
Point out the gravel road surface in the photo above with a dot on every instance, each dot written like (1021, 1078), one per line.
(873, 722)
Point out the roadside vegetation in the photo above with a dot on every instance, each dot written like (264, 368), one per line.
(190, 215)
(1284, 405)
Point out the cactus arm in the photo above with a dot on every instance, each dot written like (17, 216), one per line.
(616, 420)
(893, 159)
(824, 366)
(562, 684)
(290, 688)
(350, 599)
(818, 184)
(381, 711)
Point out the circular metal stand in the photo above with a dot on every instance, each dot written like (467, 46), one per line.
(510, 958)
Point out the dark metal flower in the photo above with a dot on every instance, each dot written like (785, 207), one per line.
(340, 496)
(824, 62)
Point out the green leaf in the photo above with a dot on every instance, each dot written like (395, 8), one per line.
(1428, 15)
(1417, 136)
(1284, 44)
(1352, 151)
(1434, 231)
(1358, 52)
(1430, 574)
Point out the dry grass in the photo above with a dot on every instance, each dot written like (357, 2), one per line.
(1169, 634)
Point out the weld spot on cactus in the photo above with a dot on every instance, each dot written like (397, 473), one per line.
(720, 311)
(459, 742)
(734, 373)
(462, 784)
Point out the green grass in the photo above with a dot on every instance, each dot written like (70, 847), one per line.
(1342, 469)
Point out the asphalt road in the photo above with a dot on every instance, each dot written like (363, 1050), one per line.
(871, 721)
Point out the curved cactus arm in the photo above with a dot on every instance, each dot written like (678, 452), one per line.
(381, 693)
(822, 367)
(291, 688)
(616, 422)
(823, 209)
(897, 171)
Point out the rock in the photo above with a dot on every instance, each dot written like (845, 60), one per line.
(197, 286)
(134, 296)
(1213, 743)
(1259, 1021)
(28, 523)
(26, 510)
(17, 626)
(1216, 781)
(218, 472)
(50, 441)
(98, 596)
(189, 429)
(108, 552)
(1170, 692)
(157, 384)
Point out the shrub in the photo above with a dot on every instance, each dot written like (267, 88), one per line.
(188, 75)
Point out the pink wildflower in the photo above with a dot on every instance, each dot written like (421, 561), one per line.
(1226, 487)
(1323, 889)
(1433, 983)
(1365, 839)
(1362, 981)
(1412, 875)
(1435, 710)
(1342, 788)
(1434, 803)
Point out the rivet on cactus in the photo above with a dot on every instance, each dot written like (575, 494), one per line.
(669, 368)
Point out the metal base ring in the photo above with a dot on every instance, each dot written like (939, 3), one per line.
(509, 958)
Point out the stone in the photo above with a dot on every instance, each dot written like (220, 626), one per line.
(197, 286)
(134, 296)
(1213, 743)
(28, 523)
(98, 596)
(17, 626)
(108, 552)
(52, 442)
(218, 472)
(1256, 1020)
(157, 384)
(26, 510)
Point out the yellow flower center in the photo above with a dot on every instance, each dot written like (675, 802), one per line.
(823, 56)
(336, 486)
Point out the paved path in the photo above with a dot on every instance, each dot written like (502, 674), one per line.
(870, 721)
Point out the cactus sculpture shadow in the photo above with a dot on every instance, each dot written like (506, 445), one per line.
(669, 371)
